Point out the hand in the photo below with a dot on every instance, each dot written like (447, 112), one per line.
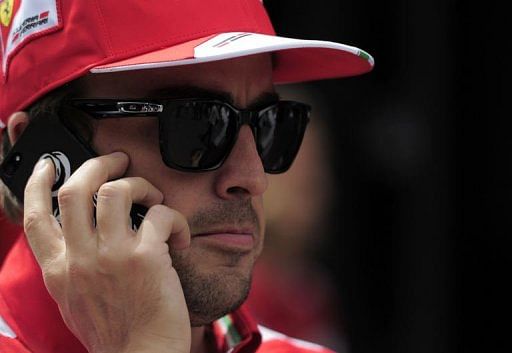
(116, 289)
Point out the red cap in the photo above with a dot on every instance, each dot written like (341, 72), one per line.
(46, 43)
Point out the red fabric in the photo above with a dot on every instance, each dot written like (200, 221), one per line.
(293, 300)
(306, 64)
(97, 33)
(178, 52)
(287, 345)
(27, 307)
(245, 326)
(116, 30)
(8, 234)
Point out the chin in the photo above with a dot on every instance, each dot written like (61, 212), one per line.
(214, 293)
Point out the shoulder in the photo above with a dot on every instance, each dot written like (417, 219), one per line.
(276, 342)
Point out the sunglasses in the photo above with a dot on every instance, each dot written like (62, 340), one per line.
(197, 135)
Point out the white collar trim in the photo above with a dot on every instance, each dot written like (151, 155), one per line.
(5, 330)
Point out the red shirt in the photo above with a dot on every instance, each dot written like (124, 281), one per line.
(30, 321)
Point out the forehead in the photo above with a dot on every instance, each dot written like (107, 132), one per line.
(241, 77)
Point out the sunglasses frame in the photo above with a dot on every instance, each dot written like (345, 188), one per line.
(108, 108)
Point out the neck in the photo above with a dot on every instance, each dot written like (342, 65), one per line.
(199, 342)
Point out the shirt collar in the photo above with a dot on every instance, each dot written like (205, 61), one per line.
(236, 333)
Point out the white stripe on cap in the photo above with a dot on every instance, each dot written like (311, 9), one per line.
(235, 44)
(5, 330)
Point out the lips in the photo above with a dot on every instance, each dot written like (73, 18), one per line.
(241, 239)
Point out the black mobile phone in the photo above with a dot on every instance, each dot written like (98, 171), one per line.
(50, 138)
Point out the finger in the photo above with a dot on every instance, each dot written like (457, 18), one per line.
(41, 228)
(115, 201)
(163, 224)
(76, 198)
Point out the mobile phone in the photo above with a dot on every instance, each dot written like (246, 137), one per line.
(50, 138)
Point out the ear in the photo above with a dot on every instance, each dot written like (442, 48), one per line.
(16, 124)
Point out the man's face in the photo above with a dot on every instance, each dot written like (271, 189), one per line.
(215, 271)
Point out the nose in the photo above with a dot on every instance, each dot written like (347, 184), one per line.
(242, 174)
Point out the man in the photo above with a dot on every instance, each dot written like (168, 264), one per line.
(177, 99)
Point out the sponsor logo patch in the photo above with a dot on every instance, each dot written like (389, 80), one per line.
(22, 21)
(6, 8)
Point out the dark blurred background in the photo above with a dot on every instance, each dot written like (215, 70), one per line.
(419, 152)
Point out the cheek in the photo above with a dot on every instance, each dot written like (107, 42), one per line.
(139, 139)
(133, 136)
(257, 204)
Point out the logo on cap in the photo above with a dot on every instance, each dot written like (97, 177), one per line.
(23, 21)
(6, 8)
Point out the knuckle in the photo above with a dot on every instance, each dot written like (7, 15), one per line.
(67, 194)
(79, 276)
(114, 189)
(104, 258)
(141, 253)
(32, 221)
(161, 211)
(141, 257)
(149, 255)
(110, 258)
(76, 270)
(111, 189)
(53, 275)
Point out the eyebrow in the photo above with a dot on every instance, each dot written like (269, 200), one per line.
(189, 91)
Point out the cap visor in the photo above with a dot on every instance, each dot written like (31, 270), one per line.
(295, 60)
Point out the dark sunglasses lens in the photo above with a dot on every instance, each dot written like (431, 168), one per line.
(196, 135)
(279, 135)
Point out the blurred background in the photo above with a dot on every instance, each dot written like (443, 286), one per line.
(394, 232)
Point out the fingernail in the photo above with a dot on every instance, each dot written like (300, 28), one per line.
(119, 154)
